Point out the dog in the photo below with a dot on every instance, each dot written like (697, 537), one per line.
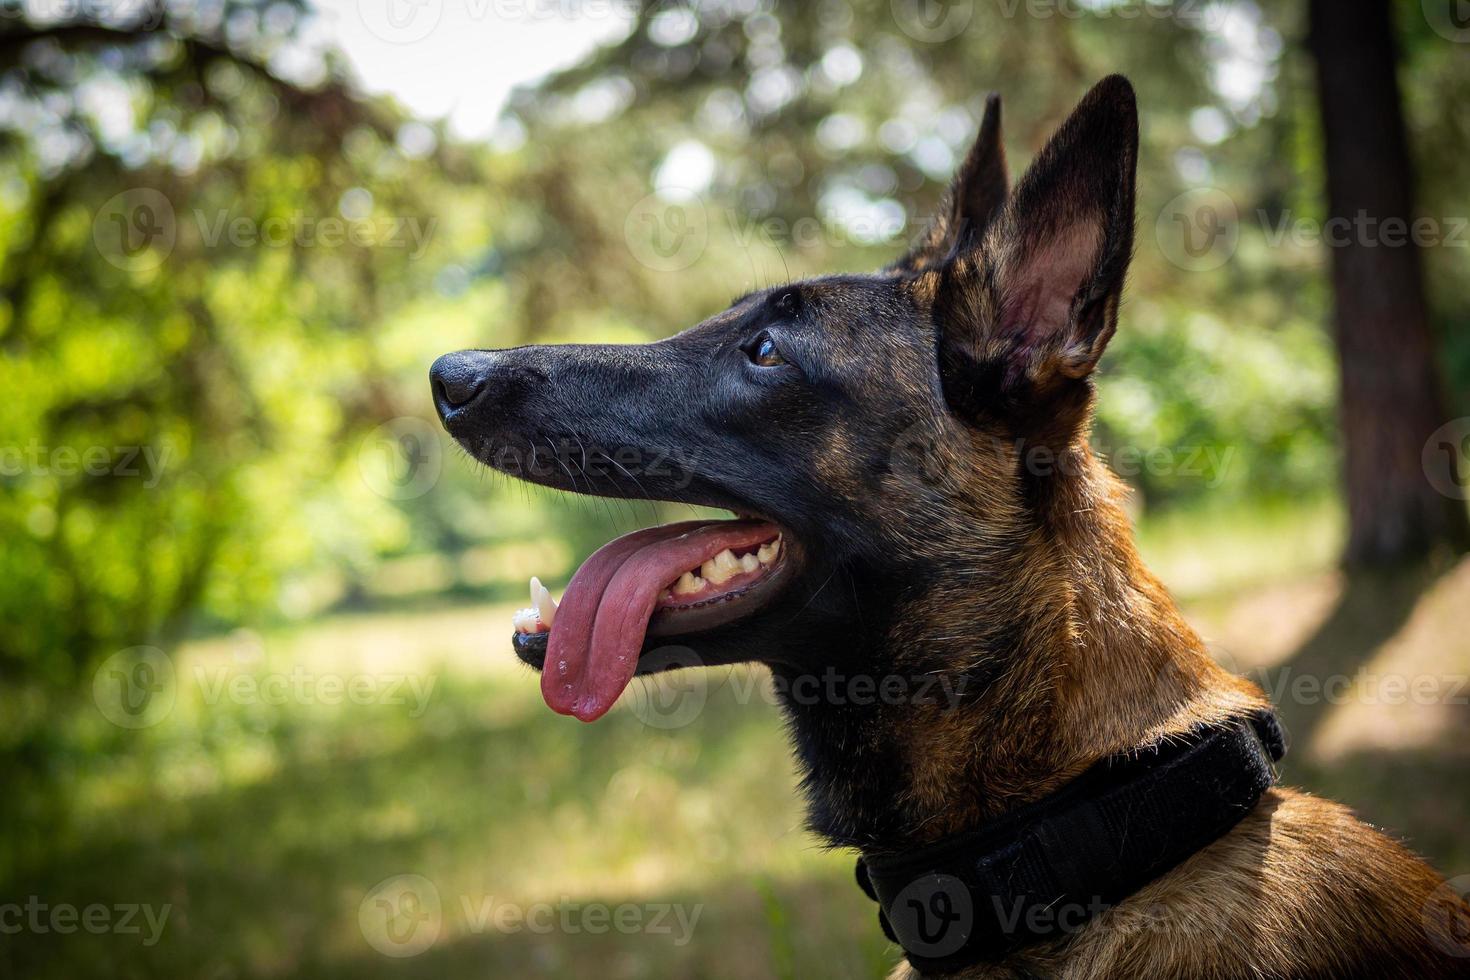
(906, 459)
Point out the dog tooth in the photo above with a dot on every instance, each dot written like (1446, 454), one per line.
(524, 620)
(769, 551)
(749, 563)
(721, 568)
(544, 603)
(688, 584)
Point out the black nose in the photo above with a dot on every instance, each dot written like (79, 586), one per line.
(457, 378)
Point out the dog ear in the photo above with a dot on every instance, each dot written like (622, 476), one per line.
(974, 198)
(1036, 301)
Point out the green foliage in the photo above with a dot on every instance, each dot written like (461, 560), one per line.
(184, 392)
(192, 435)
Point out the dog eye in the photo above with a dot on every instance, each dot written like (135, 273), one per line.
(764, 352)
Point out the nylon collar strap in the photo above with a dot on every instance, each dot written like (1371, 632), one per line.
(1044, 870)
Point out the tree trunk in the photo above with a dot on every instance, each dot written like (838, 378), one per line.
(1389, 389)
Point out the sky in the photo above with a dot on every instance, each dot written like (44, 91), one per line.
(459, 59)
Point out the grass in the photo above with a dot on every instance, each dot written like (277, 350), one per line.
(272, 826)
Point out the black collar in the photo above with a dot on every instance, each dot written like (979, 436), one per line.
(1045, 869)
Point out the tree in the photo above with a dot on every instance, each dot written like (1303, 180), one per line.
(188, 357)
(1390, 399)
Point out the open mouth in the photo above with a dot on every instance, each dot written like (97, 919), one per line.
(664, 581)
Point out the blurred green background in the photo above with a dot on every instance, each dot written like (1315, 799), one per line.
(254, 606)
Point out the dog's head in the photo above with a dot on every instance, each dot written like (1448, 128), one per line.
(891, 444)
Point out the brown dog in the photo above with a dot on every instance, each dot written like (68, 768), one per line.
(908, 456)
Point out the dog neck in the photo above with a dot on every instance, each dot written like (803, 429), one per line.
(1064, 651)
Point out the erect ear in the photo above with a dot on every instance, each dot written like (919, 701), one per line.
(974, 198)
(1035, 302)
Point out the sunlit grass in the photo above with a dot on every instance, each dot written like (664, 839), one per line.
(1206, 552)
(264, 822)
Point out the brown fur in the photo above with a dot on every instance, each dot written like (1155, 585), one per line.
(1300, 888)
(1105, 663)
(924, 444)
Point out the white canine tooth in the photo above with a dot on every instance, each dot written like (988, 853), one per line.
(524, 620)
(688, 584)
(749, 563)
(769, 551)
(721, 568)
(544, 603)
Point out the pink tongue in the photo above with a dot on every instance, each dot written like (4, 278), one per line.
(593, 649)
